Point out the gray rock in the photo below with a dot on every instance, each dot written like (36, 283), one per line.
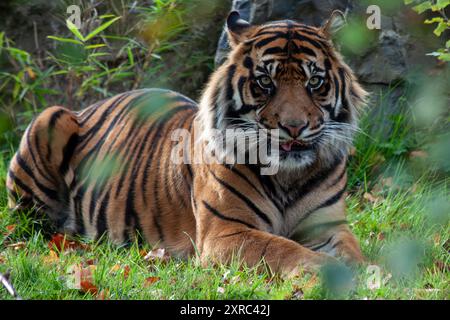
(387, 62)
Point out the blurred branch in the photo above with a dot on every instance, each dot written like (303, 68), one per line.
(4, 279)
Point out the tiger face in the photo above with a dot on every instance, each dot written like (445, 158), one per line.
(288, 76)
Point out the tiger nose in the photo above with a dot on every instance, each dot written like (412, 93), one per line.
(294, 128)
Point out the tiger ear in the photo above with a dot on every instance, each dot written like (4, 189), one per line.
(238, 28)
(335, 22)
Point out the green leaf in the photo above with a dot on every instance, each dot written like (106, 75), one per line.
(99, 54)
(447, 44)
(65, 40)
(442, 26)
(95, 46)
(434, 20)
(60, 72)
(73, 28)
(101, 28)
(104, 16)
(441, 4)
(424, 6)
(130, 56)
(444, 57)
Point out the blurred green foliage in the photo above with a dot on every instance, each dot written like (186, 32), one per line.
(440, 19)
(121, 45)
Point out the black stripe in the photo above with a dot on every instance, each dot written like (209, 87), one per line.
(33, 156)
(263, 253)
(320, 246)
(221, 216)
(304, 50)
(321, 227)
(336, 94)
(337, 243)
(156, 142)
(78, 199)
(50, 130)
(263, 42)
(333, 199)
(313, 182)
(344, 112)
(328, 108)
(25, 188)
(339, 177)
(50, 193)
(275, 50)
(168, 169)
(91, 154)
(232, 234)
(248, 63)
(102, 218)
(247, 201)
(68, 151)
(94, 108)
(94, 129)
(240, 174)
(45, 163)
(241, 83)
(269, 188)
(229, 89)
(315, 43)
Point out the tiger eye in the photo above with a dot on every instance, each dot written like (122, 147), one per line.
(265, 81)
(315, 82)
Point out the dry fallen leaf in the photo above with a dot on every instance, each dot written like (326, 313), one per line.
(61, 243)
(312, 282)
(437, 239)
(114, 268)
(297, 293)
(103, 295)
(380, 236)
(17, 245)
(150, 280)
(87, 286)
(83, 277)
(157, 255)
(91, 262)
(126, 271)
(51, 258)
(31, 73)
(142, 253)
(371, 198)
(418, 154)
(441, 266)
(9, 230)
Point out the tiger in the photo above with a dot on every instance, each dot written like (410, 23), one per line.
(284, 76)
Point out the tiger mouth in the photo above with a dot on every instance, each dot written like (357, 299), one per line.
(295, 146)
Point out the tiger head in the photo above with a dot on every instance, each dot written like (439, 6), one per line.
(288, 76)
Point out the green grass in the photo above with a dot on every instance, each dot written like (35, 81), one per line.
(403, 228)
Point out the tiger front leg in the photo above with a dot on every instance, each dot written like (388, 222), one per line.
(220, 240)
(344, 245)
(327, 230)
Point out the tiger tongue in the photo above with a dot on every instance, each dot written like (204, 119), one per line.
(287, 146)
